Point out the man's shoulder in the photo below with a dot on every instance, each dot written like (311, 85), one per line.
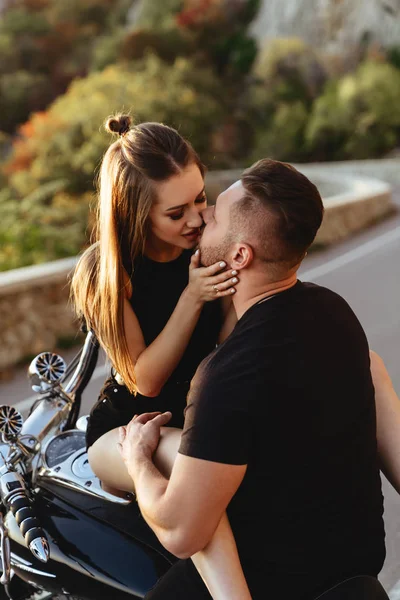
(323, 296)
(267, 326)
(313, 296)
(312, 289)
(274, 314)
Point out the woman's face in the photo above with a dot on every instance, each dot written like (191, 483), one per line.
(175, 218)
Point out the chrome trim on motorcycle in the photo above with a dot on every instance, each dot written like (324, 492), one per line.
(49, 414)
(89, 348)
(4, 554)
(46, 371)
(10, 422)
(40, 548)
(70, 474)
(20, 563)
(82, 423)
(14, 496)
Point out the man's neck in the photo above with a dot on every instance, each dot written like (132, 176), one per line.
(251, 291)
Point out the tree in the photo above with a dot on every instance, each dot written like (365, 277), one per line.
(358, 116)
(287, 76)
(57, 153)
(45, 45)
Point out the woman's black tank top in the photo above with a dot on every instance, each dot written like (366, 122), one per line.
(156, 288)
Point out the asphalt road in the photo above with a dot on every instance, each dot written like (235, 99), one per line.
(364, 270)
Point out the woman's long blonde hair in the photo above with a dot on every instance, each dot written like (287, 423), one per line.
(143, 154)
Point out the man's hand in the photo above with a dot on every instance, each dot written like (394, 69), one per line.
(141, 436)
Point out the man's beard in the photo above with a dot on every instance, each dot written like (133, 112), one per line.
(209, 255)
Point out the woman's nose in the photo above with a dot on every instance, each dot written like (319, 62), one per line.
(195, 219)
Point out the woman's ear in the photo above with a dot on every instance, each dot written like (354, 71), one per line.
(242, 256)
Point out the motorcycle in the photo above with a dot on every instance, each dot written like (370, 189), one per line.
(62, 536)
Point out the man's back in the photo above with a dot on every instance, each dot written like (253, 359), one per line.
(289, 393)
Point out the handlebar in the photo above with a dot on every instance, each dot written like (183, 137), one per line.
(15, 498)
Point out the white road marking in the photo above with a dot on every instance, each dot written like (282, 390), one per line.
(394, 593)
(352, 255)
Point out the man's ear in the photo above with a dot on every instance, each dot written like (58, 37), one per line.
(242, 255)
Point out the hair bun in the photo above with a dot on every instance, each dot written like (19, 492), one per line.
(119, 124)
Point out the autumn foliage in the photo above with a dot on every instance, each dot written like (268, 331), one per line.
(66, 65)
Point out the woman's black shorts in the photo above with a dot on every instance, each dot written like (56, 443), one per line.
(116, 406)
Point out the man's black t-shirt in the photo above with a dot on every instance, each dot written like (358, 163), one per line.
(290, 394)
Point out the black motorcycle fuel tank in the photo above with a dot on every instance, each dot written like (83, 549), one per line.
(98, 550)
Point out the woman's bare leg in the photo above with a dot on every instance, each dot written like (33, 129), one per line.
(106, 462)
(218, 563)
(220, 567)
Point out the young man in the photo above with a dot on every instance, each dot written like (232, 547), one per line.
(280, 427)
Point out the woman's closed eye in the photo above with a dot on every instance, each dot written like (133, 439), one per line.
(201, 199)
(176, 216)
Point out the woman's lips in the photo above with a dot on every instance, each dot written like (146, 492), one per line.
(192, 235)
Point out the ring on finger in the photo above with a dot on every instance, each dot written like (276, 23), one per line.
(216, 290)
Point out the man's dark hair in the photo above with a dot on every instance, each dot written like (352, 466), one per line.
(281, 209)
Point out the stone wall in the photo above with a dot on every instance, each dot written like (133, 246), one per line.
(35, 313)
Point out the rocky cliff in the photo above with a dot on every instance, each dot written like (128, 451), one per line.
(330, 24)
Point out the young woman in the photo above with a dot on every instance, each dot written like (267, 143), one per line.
(156, 312)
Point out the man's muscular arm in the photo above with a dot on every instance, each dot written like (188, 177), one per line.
(185, 510)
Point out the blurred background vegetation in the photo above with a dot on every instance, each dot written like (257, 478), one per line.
(193, 64)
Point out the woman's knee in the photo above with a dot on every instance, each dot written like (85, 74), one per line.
(107, 464)
(164, 456)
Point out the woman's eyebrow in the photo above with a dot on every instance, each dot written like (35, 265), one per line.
(175, 207)
(182, 205)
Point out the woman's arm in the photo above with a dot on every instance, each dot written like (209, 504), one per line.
(155, 363)
(387, 421)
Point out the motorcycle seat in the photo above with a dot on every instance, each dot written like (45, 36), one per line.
(362, 587)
